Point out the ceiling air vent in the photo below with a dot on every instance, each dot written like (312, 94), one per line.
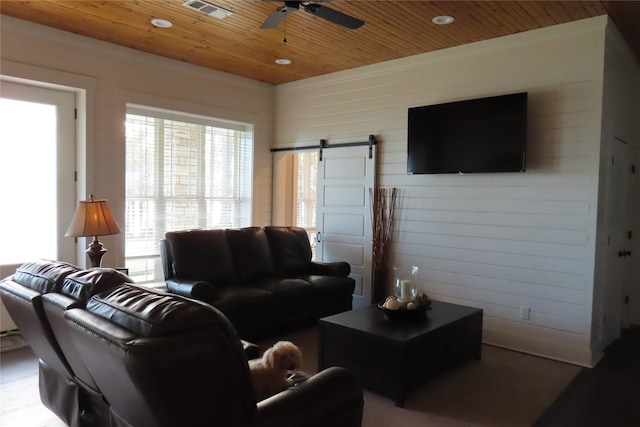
(208, 8)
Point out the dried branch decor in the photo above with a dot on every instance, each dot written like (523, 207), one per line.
(383, 204)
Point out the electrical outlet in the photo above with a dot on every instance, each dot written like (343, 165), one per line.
(525, 313)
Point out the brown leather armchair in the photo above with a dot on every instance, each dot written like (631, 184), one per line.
(22, 296)
(36, 297)
(133, 357)
(164, 360)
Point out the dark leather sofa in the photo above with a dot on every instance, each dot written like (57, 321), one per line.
(112, 353)
(262, 279)
(36, 297)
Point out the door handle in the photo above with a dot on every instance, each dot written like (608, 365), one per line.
(319, 237)
(624, 253)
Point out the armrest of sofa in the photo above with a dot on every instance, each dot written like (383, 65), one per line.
(338, 268)
(337, 401)
(197, 289)
(251, 350)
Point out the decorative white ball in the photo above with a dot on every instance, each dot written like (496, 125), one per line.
(392, 303)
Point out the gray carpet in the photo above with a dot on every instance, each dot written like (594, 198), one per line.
(12, 342)
(505, 388)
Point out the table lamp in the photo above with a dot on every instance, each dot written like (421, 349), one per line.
(93, 218)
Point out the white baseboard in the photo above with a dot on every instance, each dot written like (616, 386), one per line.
(6, 322)
(12, 342)
(555, 345)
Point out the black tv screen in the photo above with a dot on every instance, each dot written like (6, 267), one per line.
(477, 135)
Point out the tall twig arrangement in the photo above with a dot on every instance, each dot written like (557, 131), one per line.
(383, 205)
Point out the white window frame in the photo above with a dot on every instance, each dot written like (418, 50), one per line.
(305, 193)
(65, 187)
(164, 192)
(294, 187)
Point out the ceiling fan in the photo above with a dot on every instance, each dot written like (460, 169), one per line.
(313, 8)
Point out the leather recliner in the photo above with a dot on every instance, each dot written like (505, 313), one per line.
(36, 297)
(167, 361)
(76, 289)
(115, 354)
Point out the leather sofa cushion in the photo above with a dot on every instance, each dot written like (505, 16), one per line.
(251, 253)
(331, 288)
(163, 360)
(43, 276)
(151, 314)
(290, 249)
(290, 295)
(201, 255)
(83, 284)
(244, 302)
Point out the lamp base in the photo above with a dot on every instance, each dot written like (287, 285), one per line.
(95, 250)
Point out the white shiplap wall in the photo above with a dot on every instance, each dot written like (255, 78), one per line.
(109, 77)
(621, 110)
(494, 241)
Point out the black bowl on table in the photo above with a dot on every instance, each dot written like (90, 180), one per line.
(403, 313)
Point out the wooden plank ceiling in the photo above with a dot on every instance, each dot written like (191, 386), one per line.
(237, 45)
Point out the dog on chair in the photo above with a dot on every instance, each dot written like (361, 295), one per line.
(270, 374)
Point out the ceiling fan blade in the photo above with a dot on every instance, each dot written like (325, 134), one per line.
(279, 14)
(334, 16)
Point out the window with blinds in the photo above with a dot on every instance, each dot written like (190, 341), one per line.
(182, 172)
(306, 172)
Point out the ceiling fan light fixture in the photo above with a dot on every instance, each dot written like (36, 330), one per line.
(161, 23)
(443, 20)
(283, 61)
(314, 8)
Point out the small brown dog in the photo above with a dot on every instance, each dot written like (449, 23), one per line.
(270, 373)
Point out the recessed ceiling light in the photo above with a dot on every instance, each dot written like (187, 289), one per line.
(283, 61)
(161, 23)
(443, 20)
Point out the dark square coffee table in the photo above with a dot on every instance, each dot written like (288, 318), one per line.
(394, 356)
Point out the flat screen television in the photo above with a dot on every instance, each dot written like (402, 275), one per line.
(477, 135)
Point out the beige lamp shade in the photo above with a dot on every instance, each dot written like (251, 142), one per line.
(92, 218)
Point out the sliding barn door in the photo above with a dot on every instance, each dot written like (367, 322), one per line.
(345, 175)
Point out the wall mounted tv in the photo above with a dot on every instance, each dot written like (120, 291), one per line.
(477, 135)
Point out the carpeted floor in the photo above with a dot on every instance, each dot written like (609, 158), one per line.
(504, 389)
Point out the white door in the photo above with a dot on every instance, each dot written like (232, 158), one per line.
(629, 238)
(37, 148)
(37, 185)
(345, 175)
(618, 260)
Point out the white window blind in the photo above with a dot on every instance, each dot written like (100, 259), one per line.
(306, 172)
(306, 189)
(181, 174)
